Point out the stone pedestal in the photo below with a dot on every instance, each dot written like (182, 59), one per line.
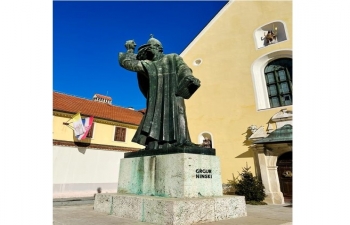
(174, 211)
(176, 189)
(174, 175)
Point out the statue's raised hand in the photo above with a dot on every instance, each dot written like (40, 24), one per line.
(130, 46)
(123, 57)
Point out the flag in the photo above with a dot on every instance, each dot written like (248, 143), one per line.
(78, 126)
(87, 123)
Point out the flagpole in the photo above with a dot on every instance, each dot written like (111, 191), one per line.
(72, 116)
(67, 124)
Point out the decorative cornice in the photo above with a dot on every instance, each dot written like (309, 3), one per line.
(283, 115)
(62, 114)
(94, 146)
(283, 134)
(96, 119)
(258, 134)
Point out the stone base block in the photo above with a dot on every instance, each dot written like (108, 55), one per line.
(181, 175)
(174, 211)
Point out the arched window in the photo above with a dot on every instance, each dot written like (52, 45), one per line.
(278, 76)
(203, 135)
(277, 30)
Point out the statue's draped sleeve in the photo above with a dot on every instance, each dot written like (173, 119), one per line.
(129, 62)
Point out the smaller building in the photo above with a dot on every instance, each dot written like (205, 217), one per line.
(83, 168)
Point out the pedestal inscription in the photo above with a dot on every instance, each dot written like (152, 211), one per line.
(174, 175)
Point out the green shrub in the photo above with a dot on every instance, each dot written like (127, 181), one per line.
(249, 186)
(230, 186)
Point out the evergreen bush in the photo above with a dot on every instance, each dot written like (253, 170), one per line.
(231, 185)
(249, 186)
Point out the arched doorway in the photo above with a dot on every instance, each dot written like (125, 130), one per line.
(285, 175)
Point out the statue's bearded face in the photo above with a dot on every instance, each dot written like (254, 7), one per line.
(153, 51)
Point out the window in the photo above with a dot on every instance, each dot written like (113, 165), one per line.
(278, 77)
(197, 62)
(119, 134)
(91, 131)
(277, 30)
(259, 78)
(208, 135)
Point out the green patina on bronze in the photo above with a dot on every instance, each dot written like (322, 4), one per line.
(283, 134)
(165, 80)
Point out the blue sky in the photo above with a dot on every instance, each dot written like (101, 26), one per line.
(87, 37)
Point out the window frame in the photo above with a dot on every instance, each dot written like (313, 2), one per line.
(274, 70)
(258, 77)
(259, 33)
(92, 129)
(115, 133)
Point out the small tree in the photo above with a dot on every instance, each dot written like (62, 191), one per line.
(231, 186)
(250, 186)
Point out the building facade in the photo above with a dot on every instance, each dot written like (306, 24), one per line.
(243, 58)
(83, 168)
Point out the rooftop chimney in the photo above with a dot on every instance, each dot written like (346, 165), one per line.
(102, 98)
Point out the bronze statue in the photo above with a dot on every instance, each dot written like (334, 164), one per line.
(165, 80)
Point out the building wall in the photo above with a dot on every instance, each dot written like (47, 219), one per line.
(226, 103)
(78, 172)
(103, 132)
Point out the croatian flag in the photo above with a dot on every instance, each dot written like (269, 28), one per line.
(87, 123)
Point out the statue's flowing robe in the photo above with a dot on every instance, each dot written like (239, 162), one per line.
(165, 119)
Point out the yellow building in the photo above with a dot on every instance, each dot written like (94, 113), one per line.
(243, 58)
(81, 168)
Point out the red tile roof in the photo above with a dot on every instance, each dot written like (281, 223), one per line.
(72, 104)
(103, 96)
(142, 111)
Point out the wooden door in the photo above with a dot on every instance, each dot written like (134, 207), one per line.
(285, 174)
